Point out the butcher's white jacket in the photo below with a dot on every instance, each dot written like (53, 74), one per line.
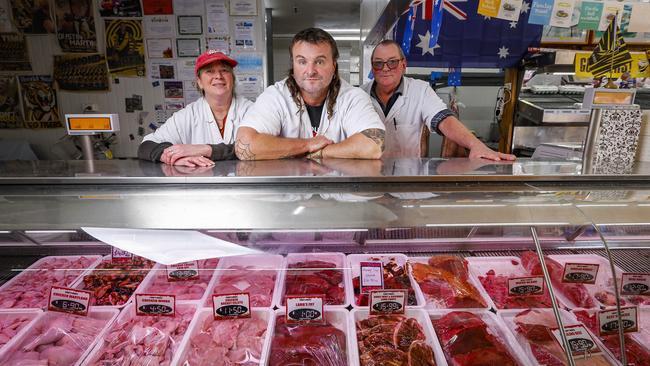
(275, 113)
(417, 105)
(195, 124)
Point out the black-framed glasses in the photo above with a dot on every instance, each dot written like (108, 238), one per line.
(392, 63)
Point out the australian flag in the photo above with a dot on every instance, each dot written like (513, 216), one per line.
(468, 39)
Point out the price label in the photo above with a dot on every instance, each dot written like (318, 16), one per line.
(580, 341)
(120, 256)
(69, 300)
(608, 320)
(183, 271)
(580, 273)
(525, 286)
(231, 306)
(388, 301)
(305, 309)
(371, 276)
(155, 304)
(635, 284)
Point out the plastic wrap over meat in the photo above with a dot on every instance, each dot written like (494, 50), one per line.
(307, 345)
(114, 283)
(191, 289)
(143, 340)
(227, 342)
(393, 340)
(315, 277)
(636, 354)
(56, 339)
(395, 277)
(31, 288)
(535, 325)
(467, 340)
(11, 324)
(444, 280)
(575, 292)
(259, 283)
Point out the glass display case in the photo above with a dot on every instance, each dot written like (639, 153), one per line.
(454, 248)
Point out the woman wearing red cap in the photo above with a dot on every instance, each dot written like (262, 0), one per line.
(203, 131)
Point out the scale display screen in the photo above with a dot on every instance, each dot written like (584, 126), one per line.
(82, 124)
(615, 98)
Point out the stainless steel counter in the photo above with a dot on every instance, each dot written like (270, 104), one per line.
(306, 171)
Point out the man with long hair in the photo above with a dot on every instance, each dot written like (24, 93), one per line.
(312, 112)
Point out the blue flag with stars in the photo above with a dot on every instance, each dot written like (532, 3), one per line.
(468, 39)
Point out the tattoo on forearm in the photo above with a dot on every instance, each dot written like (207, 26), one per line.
(376, 135)
(243, 150)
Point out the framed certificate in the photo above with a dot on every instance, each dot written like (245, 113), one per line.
(188, 47)
(189, 25)
(243, 7)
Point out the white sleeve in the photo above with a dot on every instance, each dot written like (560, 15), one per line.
(170, 131)
(265, 115)
(360, 114)
(431, 106)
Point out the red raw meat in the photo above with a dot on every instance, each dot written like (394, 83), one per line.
(576, 292)
(307, 344)
(636, 354)
(395, 277)
(497, 287)
(466, 340)
(259, 283)
(445, 279)
(315, 278)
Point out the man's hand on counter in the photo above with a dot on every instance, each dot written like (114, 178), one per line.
(194, 161)
(479, 150)
(173, 154)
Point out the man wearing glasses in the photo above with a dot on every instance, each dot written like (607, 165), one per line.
(405, 104)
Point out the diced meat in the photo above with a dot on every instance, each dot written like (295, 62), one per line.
(315, 277)
(395, 277)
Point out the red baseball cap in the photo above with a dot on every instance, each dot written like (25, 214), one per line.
(211, 56)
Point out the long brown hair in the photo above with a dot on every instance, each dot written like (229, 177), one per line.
(315, 36)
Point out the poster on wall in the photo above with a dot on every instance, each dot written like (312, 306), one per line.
(159, 26)
(124, 47)
(32, 16)
(158, 7)
(245, 34)
(243, 7)
(189, 25)
(39, 102)
(173, 95)
(13, 53)
(81, 72)
(162, 69)
(10, 116)
(188, 47)
(120, 8)
(5, 20)
(75, 26)
(159, 48)
(216, 17)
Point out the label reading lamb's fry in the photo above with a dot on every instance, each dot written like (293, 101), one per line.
(608, 320)
(155, 304)
(231, 306)
(525, 286)
(183, 271)
(387, 301)
(302, 309)
(69, 300)
(580, 273)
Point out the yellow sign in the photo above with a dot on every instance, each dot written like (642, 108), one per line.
(638, 67)
(90, 123)
(489, 8)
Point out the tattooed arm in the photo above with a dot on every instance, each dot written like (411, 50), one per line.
(367, 144)
(252, 145)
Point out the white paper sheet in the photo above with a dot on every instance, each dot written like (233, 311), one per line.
(610, 9)
(189, 7)
(216, 17)
(168, 246)
(159, 26)
(640, 19)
